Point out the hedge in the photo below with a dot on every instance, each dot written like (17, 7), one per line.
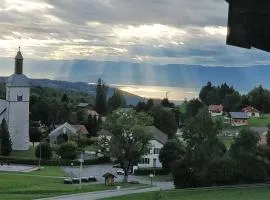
(147, 171)
(52, 162)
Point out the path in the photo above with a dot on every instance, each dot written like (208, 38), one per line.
(106, 194)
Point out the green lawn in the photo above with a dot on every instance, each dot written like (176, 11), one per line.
(253, 193)
(261, 121)
(26, 186)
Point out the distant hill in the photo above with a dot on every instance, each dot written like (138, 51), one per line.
(125, 73)
(79, 86)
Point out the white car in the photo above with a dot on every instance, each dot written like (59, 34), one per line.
(120, 172)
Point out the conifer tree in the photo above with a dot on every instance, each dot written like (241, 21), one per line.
(6, 144)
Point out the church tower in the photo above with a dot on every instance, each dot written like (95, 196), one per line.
(17, 99)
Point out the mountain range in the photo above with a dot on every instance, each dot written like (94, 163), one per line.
(175, 75)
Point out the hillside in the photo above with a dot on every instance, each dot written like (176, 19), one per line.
(76, 87)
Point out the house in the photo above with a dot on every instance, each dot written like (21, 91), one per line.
(251, 111)
(238, 118)
(63, 132)
(84, 105)
(151, 160)
(215, 110)
(262, 131)
(104, 133)
(92, 112)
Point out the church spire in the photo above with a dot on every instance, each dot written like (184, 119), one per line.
(19, 62)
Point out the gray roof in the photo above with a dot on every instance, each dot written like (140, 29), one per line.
(19, 56)
(239, 115)
(158, 134)
(83, 105)
(18, 80)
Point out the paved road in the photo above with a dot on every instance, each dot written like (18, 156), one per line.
(98, 171)
(105, 194)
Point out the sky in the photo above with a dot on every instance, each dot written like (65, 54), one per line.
(152, 31)
(141, 31)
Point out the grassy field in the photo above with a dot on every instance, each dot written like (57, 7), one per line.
(253, 193)
(38, 184)
(261, 121)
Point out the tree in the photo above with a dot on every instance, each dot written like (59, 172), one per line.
(149, 104)
(164, 119)
(192, 107)
(200, 135)
(65, 98)
(232, 102)
(5, 141)
(81, 115)
(101, 97)
(45, 149)
(65, 113)
(260, 99)
(116, 101)
(244, 150)
(130, 140)
(34, 134)
(140, 107)
(166, 103)
(173, 150)
(205, 90)
(268, 135)
(68, 151)
(93, 124)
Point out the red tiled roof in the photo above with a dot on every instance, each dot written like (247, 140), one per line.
(250, 109)
(216, 108)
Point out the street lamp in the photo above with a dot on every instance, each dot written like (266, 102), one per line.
(71, 164)
(151, 177)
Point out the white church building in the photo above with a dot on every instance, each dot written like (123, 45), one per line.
(15, 109)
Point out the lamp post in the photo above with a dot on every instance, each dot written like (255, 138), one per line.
(151, 177)
(39, 156)
(71, 164)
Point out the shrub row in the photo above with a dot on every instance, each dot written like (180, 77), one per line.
(147, 171)
(52, 162)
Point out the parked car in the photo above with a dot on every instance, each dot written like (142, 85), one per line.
(120, 172)
(116, 165)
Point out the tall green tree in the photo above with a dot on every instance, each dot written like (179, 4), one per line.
(164, 119)
(117, 100)
(130, 140)
(101, 97)
(5, 141)
(245, 151)
(200, 135)
(192, 108)
(149, 104)
(65, 98)
(173, 150)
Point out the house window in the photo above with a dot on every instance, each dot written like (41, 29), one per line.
(19, 97)
(145, 161)
(156, 150)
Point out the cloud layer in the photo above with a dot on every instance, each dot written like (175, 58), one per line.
(152, 31)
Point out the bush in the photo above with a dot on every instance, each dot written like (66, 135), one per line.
(45, 149)
(223, 171)
(68, 151)
(147, 171)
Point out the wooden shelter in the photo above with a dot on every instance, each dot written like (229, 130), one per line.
(109, 179)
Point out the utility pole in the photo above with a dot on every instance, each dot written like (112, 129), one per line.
(39, 156)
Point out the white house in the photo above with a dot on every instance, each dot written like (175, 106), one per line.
(65, 131)
(151, 160)
(251, 111)
(15, 109)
